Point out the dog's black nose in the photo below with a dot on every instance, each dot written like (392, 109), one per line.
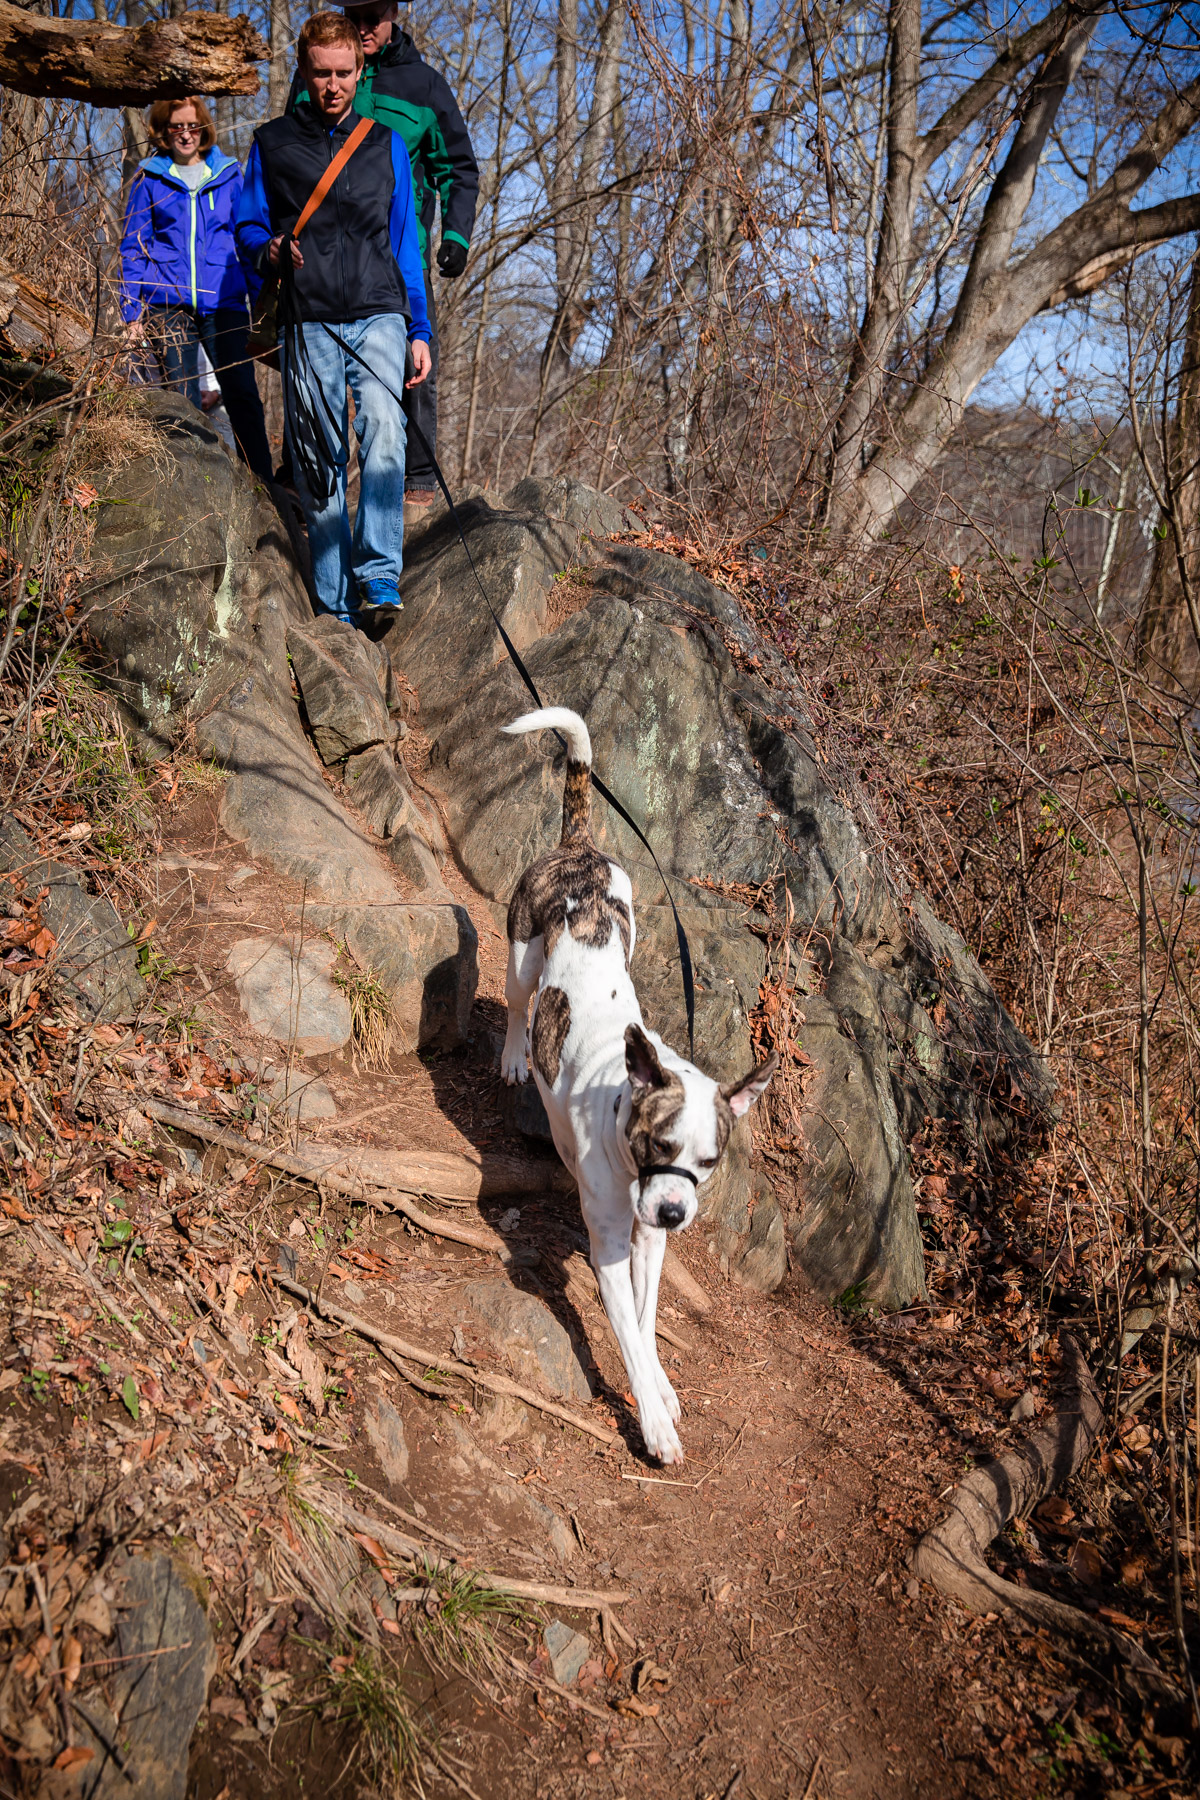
(670, 1214)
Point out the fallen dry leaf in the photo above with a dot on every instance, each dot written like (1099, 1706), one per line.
(307, 1364)
(1086, 1561)
(634, 1708)
(1055, 1513)
(73, 1758)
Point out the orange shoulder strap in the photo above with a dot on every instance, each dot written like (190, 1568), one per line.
(321, 192)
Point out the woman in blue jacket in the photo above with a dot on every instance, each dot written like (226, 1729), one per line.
(183, 285)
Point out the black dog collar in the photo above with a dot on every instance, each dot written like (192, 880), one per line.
(649, 1169)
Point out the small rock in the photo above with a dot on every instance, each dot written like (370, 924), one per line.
(567, 1650)
(1024, 1409)
(539, 1348)
(426, 959)
(912, 1588)
(509, 1220)
(523, 1110)
(287, 1261)
(164, 1658)
(502, 1419)
(286, 992)
(385, 1429)
(302, 1096)
(245, 873)
(355, 1292)
(94, 957)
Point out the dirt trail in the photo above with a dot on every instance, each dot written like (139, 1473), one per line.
(766, 1576)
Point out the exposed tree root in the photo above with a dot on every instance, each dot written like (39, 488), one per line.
(951, 1556)
(387, 1178)
(429, 1359)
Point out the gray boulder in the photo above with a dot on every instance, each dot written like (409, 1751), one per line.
(200, 596)
(286, 993)
(427, 959)
(337, 671)
(93, 961)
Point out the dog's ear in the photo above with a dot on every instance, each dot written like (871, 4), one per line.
(641, 1060)
(742, 1094)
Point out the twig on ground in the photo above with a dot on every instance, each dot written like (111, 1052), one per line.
(419, 1524)
(78, 1267)
(397, 1543)
(56, 1681)
(574, 1700)
(684, 1283)
(317, 1171)
(250, 1638)
(497, 1384)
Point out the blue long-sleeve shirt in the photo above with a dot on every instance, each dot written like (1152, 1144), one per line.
(256, 225)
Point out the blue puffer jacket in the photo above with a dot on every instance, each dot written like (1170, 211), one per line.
(178, 248)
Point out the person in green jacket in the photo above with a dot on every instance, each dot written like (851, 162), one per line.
(400, 90)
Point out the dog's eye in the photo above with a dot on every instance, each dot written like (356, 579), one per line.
(709, 1162)
(660, 1147)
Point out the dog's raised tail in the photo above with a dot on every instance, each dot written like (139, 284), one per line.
(577, 794)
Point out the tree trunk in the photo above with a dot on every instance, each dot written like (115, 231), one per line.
(893, 258)
(283, 55)
(884, 445)
(111, 65)
(1168, 636)
(22, 165)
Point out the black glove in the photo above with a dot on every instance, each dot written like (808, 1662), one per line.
(452, 258)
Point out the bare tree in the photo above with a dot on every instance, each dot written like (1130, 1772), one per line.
(1169, 627)
(886, 441)
(282, 42)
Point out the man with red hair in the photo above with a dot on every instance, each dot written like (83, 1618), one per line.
(353, 306)
(398, 87)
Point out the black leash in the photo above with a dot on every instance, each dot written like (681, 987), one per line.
(685, 955)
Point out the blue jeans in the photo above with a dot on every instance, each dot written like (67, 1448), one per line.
(360, 567)
(176, 334)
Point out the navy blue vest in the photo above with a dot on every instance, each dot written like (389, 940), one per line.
(349, 270)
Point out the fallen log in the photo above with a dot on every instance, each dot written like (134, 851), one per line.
(353, 1168)
(951, 1556)
(33, 321)
(117, 65)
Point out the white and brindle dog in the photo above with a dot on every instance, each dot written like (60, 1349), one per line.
(639, 1128)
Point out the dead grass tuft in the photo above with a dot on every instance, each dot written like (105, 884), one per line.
(119, 431)
(370, 1015)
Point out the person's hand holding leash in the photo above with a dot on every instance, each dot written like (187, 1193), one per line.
(422, 362)
(273, 249)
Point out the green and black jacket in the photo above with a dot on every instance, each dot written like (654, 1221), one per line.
(403, 92)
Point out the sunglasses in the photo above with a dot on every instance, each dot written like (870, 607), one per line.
(184, 130)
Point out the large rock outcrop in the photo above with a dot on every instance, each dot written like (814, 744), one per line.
(696, 724)
(703, 734)
(201, 617)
